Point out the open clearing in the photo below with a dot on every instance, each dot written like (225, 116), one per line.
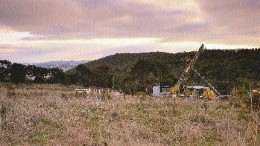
(54, 115)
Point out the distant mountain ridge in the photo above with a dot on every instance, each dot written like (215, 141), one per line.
(64, 65)
(240, 58)
(124, 61)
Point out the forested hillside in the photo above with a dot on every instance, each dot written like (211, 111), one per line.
(138, 72)
(122, 61)
(134, 72)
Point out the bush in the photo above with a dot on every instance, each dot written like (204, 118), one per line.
(10, 92)
(241, 97)
(256, 100)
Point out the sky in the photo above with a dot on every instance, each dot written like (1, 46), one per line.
(33, 31)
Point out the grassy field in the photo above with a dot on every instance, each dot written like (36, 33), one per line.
(54, 115)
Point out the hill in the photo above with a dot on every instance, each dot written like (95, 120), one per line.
(64, 65)
(224, 68)
(122, 61)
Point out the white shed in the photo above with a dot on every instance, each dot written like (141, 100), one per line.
(156, 91)
(161, 91)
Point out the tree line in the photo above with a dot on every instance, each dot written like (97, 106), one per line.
(132, 73)
(136, 79)
(20, 73)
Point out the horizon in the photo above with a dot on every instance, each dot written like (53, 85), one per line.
(126, 53)
(49, 30)
(47, 61)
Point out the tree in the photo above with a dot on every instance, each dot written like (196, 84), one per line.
(57, 75)
(103, 76)
(18, 73)
(145, 74)
(5, 66)
(85, 75)
(31, 72)
(72, 79)
(41, 74)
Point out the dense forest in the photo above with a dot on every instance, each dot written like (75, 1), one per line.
(134, 72)
(138, 72)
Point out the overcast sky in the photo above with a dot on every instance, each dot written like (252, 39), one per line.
(44, 30)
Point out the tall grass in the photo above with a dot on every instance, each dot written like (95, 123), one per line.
(54, 115)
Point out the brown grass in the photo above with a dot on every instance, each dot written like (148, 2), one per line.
(54, 115)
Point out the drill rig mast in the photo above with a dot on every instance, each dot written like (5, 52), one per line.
(182, 82)
(186, 73)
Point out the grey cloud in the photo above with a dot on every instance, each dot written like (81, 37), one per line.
(191, 28)
(238, 16)
(223, 21)
(32, 15)
(89, 18)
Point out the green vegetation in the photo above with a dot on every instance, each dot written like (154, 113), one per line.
(138, 72)
(19, 73)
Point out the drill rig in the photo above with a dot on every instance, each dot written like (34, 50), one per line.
(181, 85)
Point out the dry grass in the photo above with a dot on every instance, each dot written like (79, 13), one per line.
(54, 115)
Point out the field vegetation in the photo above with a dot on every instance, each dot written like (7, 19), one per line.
(52, 114)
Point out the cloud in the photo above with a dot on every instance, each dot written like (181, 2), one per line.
(48, 28)
(11, 36)
(132, 18)
(236, 17)
(38, 50)
(37, 15)
(90, 18)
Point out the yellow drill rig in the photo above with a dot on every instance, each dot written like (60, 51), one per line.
(181, 85)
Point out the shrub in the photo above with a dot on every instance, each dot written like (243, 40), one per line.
(10, 92)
